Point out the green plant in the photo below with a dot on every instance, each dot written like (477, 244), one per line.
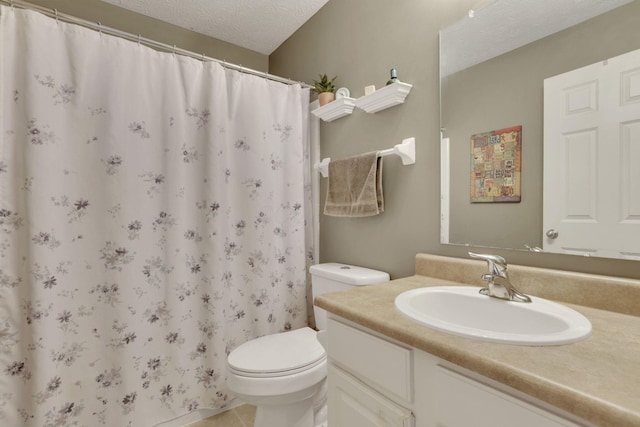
(324, 84)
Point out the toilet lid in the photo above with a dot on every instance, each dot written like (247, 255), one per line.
(277, 354)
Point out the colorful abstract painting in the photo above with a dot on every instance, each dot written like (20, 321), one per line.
(495, 166)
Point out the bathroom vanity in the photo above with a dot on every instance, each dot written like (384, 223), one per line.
(386, 370)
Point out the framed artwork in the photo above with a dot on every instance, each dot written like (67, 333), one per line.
(495, 166)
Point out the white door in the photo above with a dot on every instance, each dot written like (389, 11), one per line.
(592, 160)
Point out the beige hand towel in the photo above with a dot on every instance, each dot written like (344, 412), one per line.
(355, 186)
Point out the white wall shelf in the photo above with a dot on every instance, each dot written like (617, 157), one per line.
(383, 98)
(335, 109)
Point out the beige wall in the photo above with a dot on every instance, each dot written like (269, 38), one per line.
(360, 40)
(134, 23)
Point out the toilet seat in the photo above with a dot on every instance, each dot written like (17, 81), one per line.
(277, 355)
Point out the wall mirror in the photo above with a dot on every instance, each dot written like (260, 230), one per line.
(493, 67)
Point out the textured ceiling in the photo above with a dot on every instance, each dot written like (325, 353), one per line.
(504, 25)
(258, 25)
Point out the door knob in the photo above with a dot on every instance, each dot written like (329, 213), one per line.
(552, 234)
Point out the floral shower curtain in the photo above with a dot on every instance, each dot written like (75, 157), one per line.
(152, 218)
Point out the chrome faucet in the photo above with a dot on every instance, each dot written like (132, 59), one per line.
(498, 280)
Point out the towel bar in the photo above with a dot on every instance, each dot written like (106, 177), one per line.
(406, 150)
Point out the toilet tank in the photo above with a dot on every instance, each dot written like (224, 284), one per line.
(332, 277)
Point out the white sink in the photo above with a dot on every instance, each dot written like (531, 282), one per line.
(461, 310)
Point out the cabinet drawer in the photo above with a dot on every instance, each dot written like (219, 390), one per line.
(352, 403)
(382, 364)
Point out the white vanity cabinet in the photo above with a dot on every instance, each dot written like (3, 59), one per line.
(377, 382)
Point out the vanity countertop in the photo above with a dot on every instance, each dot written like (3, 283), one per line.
(596, 379)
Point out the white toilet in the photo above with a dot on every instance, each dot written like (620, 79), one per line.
(284, 375)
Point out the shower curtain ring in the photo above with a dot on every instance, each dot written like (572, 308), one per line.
(174, 50)
(138, 39)
(203, 57)
(99, 27)
(56, 12)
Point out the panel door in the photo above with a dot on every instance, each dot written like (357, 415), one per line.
(592, 160)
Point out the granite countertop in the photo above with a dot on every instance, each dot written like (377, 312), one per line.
(597, 379)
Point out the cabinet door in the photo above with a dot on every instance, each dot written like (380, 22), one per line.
(353, 404)
(463, 402)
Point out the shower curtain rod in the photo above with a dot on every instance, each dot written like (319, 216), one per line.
(53, 13)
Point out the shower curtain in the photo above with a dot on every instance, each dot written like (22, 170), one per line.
(153, 217)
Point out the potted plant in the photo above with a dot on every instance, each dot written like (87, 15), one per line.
(324, 88)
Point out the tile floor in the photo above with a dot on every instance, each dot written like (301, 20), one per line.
(240, 416)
